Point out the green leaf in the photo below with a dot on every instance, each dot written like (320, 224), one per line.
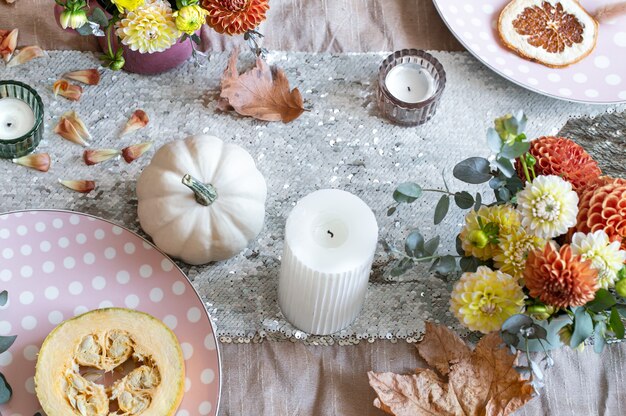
(621, 309)
(5, 390)
(402, 267)
(583, 327)
(539, 333)
(407, 192)
(391, 211)
(98, 16)
(599, 340)
(445, 265)
(414, 244)
(503, 195)
(6, 342)
(431, 246)
(479, 201)
(515, 323)
(511, 126)
(603, 301)
(441, 210)
(493, 140)
(474, 170)
(515, 150)
(506, 167)
(85, 30)
(469, 264)
(521, 121)
(4, 297)
(459, 245)
(463, 200)
(617, 326)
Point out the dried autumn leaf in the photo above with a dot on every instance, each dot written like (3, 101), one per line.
(38, 161)
(86, 76)
(135, 151)
(26, 54)
(82, 186)
(65, 89)
(138, 120)
(262, 92)
(8, 43)
(482, 382)
(72, 128)
(95, 156)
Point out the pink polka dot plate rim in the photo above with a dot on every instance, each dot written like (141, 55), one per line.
(600, 78)
(59, 264)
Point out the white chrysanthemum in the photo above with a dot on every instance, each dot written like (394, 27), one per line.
(548, 205)
(149, 28)
(606, 257)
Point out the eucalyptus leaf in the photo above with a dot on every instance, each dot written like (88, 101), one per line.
(506, 167)
(617, 326)
(446, 265)
(538, 333)
(603, 301)
(463, 199)
(503, 195)
(5, 390)
(469, 264)
(459, 246)
(621, 309)
(85, 30)
(599, 341)
(515, 150)
(6, 342)
(479, 201)
(407, 192)
(536, 370)
(441, 210)
(4, 297)
(521, 121)
(511, 125)
(583, 327)
(402, 267)
(391, 211)
(98, 16)
(414, 244)
(431, 246)
(514, 324)
(474, 170)
(493, 140)
(497, 182)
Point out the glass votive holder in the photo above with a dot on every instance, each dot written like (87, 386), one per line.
(21, 119)
(410, 84)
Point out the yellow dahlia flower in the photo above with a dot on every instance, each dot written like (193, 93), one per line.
(548, 205)
(483, 300)
(149, 28)
(190, 18)
(473, 237)
(606, 256)
(129, 5)
(513, 251)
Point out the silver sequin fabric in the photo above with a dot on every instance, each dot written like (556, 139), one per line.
(340, 142)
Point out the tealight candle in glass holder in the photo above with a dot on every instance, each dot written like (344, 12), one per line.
(410, 84)
(21, 119)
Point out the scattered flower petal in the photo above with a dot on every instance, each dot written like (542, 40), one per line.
(65, 89)
(39, 161)
(26, 54)
(8, 43)
(86, 76)
(137, 121)
(135, 151)
(92, 157)
(72, 128)
(79, 186)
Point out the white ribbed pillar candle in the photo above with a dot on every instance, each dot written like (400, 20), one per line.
(330, 240)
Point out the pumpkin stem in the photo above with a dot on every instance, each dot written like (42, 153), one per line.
(205, 194)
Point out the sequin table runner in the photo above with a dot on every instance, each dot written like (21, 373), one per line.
(340, 143)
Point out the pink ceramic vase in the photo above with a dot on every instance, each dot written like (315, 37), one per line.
(140, 63)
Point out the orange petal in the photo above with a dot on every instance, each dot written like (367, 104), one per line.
(86, 76)
(26, 54)
(8, 43)
(137, 121)
(135, 151)
(65, 89)
(71, 128)
(79, 186)
(39, 161)
(92, 157)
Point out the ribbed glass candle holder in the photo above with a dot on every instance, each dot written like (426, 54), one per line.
(410, 113)
(26, 143)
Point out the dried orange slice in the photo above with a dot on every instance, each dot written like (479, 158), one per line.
(556, 33)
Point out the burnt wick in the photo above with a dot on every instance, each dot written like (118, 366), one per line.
(408, 88)
(331, 234)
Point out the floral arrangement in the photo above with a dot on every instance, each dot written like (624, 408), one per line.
(544, 264)
(150, 26)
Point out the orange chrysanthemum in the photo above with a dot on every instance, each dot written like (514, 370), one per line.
(562, 157)
(558, 278)
(603, 207)
(235, 17)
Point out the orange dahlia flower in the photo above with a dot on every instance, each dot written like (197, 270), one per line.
(603, 207)
(564, 158)
(235, 17)
(558, 278)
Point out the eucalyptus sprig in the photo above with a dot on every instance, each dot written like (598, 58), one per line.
(5, 344)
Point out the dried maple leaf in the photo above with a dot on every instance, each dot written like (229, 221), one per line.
(482, 382)
(262, 92)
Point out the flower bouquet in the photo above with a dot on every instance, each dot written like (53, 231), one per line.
(129, 31)
(544, 263)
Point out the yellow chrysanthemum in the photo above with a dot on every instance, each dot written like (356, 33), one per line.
(513, 251)
(475, 241)
(190, 18)
(149, 28)
(606, 256)
(128, 5)
(483, 300)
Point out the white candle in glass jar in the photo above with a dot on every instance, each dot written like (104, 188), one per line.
(330, 241)
(16, 118)
(410, 83)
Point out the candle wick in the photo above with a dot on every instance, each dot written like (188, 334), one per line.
(9, 124)
(331, 234)
(408, 88)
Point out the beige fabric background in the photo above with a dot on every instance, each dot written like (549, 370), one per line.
(293, 379)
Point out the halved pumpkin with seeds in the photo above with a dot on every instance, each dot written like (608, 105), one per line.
(136, 353)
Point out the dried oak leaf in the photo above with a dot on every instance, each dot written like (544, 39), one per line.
(482, 382)
(262, 92)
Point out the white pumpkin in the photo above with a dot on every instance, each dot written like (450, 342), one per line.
(201, 199)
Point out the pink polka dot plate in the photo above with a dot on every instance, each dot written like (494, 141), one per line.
(59, 264)
(600, 78)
